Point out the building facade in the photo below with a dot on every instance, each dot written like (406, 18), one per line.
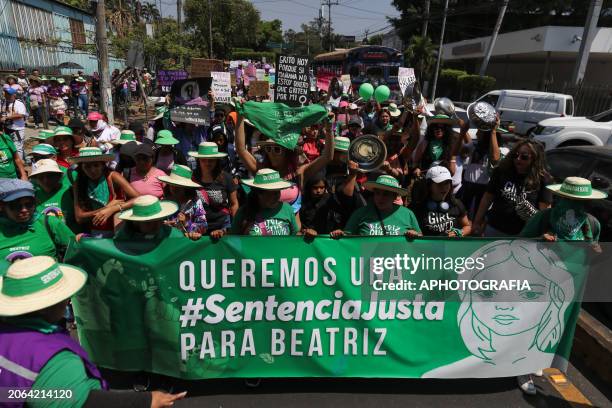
(43, 34)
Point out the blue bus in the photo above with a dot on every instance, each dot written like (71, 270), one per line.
(371, 63)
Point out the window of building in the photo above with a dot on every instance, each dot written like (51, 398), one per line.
(77, 29)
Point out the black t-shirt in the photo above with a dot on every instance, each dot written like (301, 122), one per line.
(331, 212)
(512, 204)
(215, 196)
(434, 221)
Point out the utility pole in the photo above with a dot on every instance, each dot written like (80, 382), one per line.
(329, 4)
(179, 9)
(425, 19)
(433, 91)
(500, 19)
(106, 104)
(210, 39)
(590, 26)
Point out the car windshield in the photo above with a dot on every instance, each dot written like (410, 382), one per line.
(602, 116)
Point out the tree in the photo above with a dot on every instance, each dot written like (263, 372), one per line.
(150, 12)
(375, 40)
(421, 54)
(234, 25)
(269, 31)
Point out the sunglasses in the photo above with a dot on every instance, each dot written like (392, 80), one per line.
(18, 205)
(521, 156)
(273, 149)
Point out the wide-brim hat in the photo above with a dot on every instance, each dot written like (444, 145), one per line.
(387, 183)
(37, 283)
(166, 138)
(267, 179)
(125, 137)
(91, 154)
(149, 208)
(180, 176)
(441, 120)
(577, 188)
(45, 166)
(66, 131)
(208, 150)
(394, 111)
(43, 134)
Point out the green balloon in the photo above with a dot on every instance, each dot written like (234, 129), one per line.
(382, 93)
(366, 90)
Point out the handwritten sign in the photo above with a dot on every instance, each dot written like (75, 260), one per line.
(198, 115)
(165, 78)
(346, 83)
(259, 88)
(406, 79)
(324, 79)
(260, 74)
(201, 67)
(221, 86)
(292, 83)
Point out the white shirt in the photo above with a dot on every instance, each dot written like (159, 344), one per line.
(19, 108)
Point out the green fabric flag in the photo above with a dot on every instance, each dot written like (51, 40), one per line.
(284, 307)
(280, 122)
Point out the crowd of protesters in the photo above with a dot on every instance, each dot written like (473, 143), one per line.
(151, 181)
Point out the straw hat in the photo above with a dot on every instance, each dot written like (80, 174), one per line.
(66, 131)
(36, 283)
(577, 188)
(149, 208)
(126, 136)
(342, 143)
(180, 176)
(394, 110)
(45, 166)
(43, 134)
(91, 154)
(208, 150)
(387, 183)
(166, 138)
(43, 149)
(441, 119)
(81, 79)
(267, 179)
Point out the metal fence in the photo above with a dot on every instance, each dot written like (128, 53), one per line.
(589, 99)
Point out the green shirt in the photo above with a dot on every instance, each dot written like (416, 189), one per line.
(365, 221)
(277, 221)
(64, 371)
(7, 157)
(58, 202)
(540, 224)
(32, 239)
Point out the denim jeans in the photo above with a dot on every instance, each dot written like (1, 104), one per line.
(84, 103)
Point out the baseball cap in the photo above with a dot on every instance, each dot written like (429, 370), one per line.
(95, 116)
(13, 189)
(438, 174)
(10, 91)
(144, 149)
(218, 129)
(354, 122)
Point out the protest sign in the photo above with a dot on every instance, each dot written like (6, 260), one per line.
(324, 78)
(189, 89)
(221, 86)
(406, 79)
(292, 82)
(358, 307)
(196, 114)
(202, 67)
(260, 74)
(346, 83)
(259, 88)
(165, 78)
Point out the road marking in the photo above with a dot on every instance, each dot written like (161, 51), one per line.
(568, 391)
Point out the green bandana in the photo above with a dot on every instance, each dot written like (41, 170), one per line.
(567, 219)
(436, 148)
(280, 122)
(98, 192)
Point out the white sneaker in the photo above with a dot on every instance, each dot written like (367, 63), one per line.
(526, 384)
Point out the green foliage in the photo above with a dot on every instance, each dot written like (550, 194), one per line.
(234, 24)
(448, 82)
(473, 85)
(269, 31)
(244, 54)
(81, 4)
(375, 40)
(420, 54)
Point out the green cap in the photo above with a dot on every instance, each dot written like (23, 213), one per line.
(165, 137)
(44, 149)
(62, 130)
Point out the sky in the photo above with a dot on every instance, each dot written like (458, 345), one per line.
(349, 17)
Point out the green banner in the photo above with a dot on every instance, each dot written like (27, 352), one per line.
(355, 307)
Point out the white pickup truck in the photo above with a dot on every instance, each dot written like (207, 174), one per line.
(575, 131)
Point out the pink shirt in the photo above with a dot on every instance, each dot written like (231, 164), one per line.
(149, 184)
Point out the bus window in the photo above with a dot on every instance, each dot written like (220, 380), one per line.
(375, 72)
(393, 71)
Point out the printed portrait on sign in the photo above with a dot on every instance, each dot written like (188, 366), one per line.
(516, 331)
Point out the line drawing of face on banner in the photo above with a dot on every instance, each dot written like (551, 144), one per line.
(514, 332)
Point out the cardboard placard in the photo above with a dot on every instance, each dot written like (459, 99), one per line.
(202, 67)
(292, 82)
(260, 74)
(165, 78)
(221, 86)
(406, 79)
(196, 114)
(259, 88)
(346, 83)
(188, 89)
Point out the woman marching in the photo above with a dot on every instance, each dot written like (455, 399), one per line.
(516, 191)
(99, 193)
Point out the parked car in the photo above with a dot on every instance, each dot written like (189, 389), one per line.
(527, 108)
(576, 131)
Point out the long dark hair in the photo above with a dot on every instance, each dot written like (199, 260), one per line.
(447, 141)
(217, 172)
(421, 193)
(307, 192)
(251, 209)
(537, 171)
(81, 185)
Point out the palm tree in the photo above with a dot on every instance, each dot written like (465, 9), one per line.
(421, 54)
(150, 12)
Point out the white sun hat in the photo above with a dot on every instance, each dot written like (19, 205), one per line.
(36, 283)
(180, 176)
(149, 208)
(45, 166)
(267, 179)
